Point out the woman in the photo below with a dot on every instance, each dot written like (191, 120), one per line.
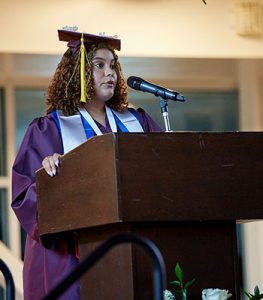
(87, 96)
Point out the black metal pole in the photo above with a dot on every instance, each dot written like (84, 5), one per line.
(10, 286)
(159, 273)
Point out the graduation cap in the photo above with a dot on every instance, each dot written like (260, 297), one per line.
(77, 40)
(74, 39)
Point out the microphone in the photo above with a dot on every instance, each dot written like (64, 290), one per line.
(139, 84)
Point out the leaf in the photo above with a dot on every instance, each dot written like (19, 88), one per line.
(189, 283)
(176, 282)
(248, 295)
(179, 273)
(256, 291)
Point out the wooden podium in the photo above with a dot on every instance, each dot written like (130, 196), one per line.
(184, 191)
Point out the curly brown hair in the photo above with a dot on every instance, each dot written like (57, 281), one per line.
(64, 90)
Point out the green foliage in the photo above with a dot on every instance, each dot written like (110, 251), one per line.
(179, 282)
(256, 296)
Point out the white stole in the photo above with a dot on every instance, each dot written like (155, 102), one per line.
(73, 133)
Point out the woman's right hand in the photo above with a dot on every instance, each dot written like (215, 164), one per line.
(50, 164)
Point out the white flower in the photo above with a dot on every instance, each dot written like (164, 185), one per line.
(215, 294)
(167, 295)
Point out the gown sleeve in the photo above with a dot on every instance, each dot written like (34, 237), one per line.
(148, 124)
(41, 139)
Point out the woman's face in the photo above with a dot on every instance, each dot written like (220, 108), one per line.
(104, 74)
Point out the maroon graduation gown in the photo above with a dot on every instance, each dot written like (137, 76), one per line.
(45, 267)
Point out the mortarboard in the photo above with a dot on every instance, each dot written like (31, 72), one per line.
(78, 40)
(74, 39)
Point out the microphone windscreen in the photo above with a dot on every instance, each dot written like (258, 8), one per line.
(134, 82)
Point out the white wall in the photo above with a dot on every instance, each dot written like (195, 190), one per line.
(169, 28)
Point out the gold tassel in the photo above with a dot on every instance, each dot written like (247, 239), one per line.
(82, 71)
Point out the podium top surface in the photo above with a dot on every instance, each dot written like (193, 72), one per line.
(154, 177)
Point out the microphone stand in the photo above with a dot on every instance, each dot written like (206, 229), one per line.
(164, 110)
